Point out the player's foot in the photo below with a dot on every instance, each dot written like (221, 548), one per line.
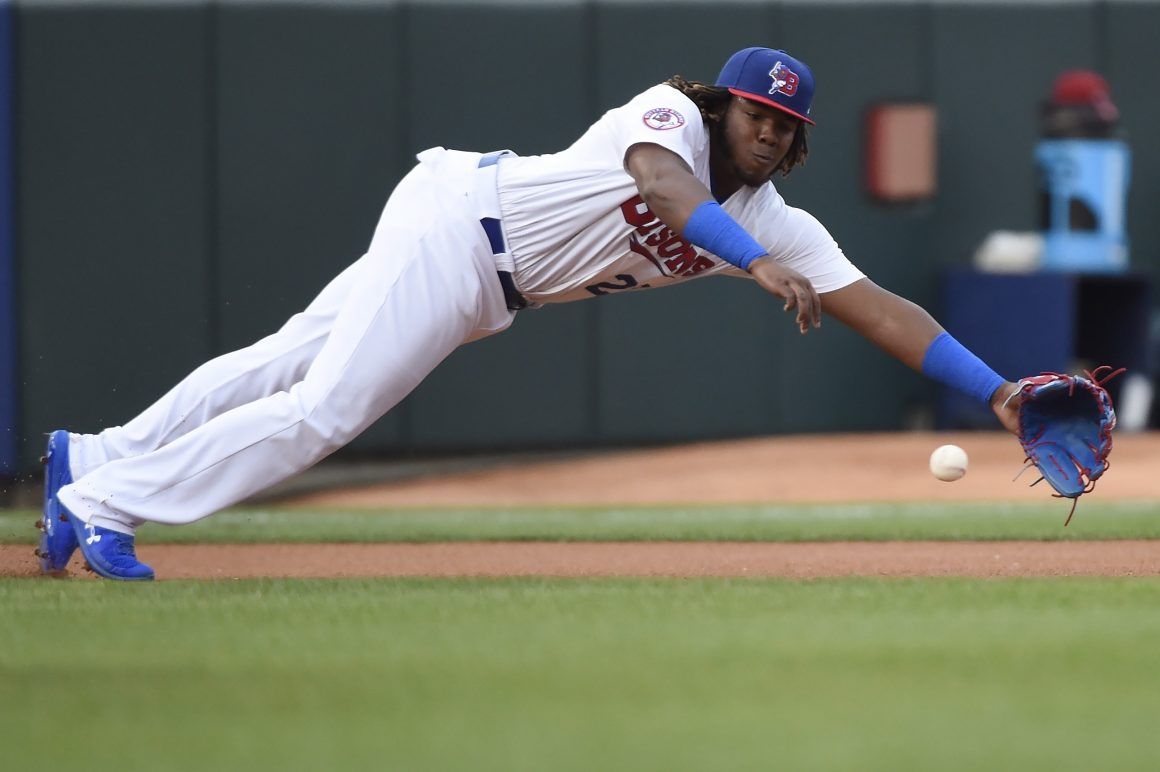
(58, 538)
(109, 553)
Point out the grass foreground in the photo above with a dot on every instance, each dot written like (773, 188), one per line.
(581, 675)
(536, 674)
(1094, 519)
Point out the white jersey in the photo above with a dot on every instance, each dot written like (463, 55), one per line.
(576, 226)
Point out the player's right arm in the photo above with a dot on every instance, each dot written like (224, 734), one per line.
(666, 183)
(672, 192)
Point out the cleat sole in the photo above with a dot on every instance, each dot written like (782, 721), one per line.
(95, 570)
(56, 546)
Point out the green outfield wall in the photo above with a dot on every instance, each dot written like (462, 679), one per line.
(188, 174)
(9, 412)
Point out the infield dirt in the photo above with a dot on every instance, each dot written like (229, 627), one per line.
(796, 468)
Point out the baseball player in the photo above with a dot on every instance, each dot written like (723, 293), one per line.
(674, 185)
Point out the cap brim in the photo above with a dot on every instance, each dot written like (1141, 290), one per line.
(767, 101)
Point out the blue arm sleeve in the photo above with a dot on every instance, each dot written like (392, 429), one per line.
(948, 361)
(709, 227)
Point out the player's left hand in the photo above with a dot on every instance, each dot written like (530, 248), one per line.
(1005, 403)
(791, 286)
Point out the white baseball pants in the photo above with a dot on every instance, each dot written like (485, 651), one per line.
(251, 418)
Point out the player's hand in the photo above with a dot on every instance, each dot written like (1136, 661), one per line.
(1005, 402)
(791, 286)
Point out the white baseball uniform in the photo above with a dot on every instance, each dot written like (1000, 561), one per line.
(573, 226)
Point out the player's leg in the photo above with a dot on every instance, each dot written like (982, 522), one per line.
(272, 364)
(432, 289)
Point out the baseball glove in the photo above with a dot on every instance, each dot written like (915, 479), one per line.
(1065, 428)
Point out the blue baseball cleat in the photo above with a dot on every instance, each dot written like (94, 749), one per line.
(110, 553)
(58, 538)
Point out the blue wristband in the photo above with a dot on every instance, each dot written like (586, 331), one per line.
(709, 227)
(948, 361)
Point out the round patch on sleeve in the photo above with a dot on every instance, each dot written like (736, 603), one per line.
(662, 118)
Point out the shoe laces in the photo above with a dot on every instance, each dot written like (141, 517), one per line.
(122, 550)
(124, 546)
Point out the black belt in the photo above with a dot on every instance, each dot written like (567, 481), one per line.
(491, 226)
(515, 301)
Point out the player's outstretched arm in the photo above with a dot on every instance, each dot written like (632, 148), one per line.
(683, 203)
(910, 334)
(896, 325)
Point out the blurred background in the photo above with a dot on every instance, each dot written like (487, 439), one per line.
(177, 178)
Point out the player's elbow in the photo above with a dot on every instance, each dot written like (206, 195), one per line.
(667, 198)
(652, 191)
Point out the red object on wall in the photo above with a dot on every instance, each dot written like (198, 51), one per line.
(901, 149)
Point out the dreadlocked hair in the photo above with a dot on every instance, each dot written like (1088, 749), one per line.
(713, 101)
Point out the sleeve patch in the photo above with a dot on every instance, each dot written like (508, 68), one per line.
(663, 118)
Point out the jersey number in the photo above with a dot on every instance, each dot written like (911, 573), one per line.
(604, 287)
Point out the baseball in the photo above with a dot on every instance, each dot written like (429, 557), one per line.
(948, 462)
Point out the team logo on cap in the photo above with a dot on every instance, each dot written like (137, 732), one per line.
(785, 80)
(662, 118)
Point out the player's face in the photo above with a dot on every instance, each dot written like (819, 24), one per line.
(757, 138)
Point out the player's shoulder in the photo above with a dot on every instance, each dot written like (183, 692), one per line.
(766, 198)
(806, 230)
(767, 195)
(664, 107)
(763, 209)
(761, 199)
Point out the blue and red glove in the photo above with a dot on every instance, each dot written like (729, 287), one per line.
(1065, 428)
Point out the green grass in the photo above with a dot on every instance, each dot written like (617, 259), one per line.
(880, 521)
(580, 675)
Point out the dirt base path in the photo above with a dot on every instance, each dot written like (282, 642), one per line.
(637, 559)
(797, 468)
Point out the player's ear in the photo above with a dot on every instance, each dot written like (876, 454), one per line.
(717, 112)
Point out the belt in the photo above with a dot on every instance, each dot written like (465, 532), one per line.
(515, 300)
(491, 226)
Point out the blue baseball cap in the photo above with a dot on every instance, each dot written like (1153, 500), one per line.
(771, 77)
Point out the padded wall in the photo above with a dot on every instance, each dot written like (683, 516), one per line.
(9, 391)
(310, 132)
(190, 174)
(112, 126)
